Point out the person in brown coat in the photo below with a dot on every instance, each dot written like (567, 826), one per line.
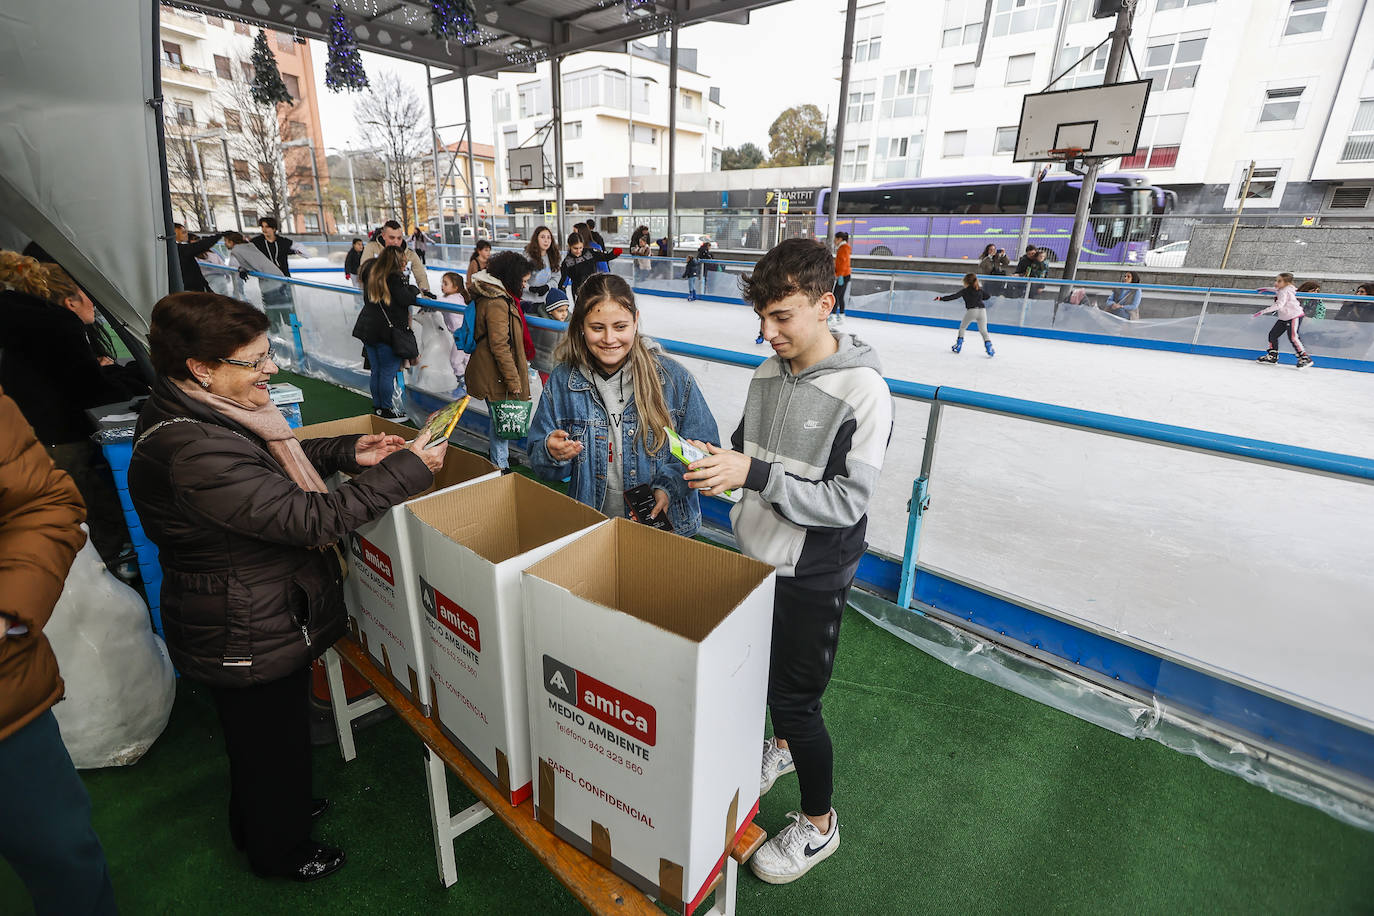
(498, 369)
(248, 535)
(45, 813)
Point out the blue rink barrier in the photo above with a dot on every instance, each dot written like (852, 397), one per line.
(1259, 714)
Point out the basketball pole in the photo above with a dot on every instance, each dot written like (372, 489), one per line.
(1121, 36)
(846, 60)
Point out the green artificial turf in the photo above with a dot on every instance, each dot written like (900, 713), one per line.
(954, 796)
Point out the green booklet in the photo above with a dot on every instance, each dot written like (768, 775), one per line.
(445, 421)
(686, 452)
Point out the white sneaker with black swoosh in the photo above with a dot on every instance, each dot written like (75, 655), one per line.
(796, 849)
(777, 761)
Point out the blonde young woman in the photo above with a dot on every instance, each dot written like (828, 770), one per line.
(387, 301)
(601, 418)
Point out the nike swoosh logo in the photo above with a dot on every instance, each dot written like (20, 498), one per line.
(811, 852)
(811, 424)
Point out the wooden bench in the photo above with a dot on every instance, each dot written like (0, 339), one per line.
(595, 887)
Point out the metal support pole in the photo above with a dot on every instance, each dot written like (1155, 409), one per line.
(920, 504)
(1120, 37)
(1240, 207)
(560, 200)
(846, 61)
(434, 152)
(672, 136)
(1031, 193)
(630, 161)
(472, 182)
(204, 192)
(319, 198)
(1201, 316)
(233, 188)
(353, 192)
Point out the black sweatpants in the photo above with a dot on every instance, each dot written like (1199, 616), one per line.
(841, 287)
(806, 633)
(267, 736)
(1289, 326)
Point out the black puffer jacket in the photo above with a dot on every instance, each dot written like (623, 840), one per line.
(252, 589)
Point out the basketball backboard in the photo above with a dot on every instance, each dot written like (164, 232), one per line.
(525, 166)
(1102, 121)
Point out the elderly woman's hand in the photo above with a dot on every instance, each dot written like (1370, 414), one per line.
(432, 457)
(372, 449)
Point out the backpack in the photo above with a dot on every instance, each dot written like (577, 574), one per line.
(466, 336)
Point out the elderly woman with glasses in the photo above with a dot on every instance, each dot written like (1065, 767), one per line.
(248, 536)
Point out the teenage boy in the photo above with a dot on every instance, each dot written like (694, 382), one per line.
(391, 235)
(843, 270)
(807, 453)
(275, 247)
(581, 262)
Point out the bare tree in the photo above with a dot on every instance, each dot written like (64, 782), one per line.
(392, 120)
(258, 141)
(184, 177)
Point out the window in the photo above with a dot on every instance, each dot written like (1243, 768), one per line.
(574, 169)
(265, 171)
(1012, 17)
(1160, 136)
(312, 222)
(906, 93)
(963, 23)
(854, 163)
(258, 125)
(1163, 5)
(572, 130)
(643, 134)
(1173, 62)
(1019, 69)
(241, 28)
(868, 34)
(1281, 105)
(689, 102)
(247, 69)
(233, 120)
(861, 99)
(224, 68)
(1359, 145)
(295, 130)
(1078, 10)
(1005, 141)
(510, 138)
(898, 157)
(616, 90)
(582, 90)
(293, 86)
(184, 112)
(250, 217)
(955, 140)
(1305, 17)
(242, 170)
(500, 101)
(963, 76)
(171, 53)
(285, 44)
(1089, 72)
(1263, 184)
(531, 99)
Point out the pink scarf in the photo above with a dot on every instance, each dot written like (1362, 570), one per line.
(267, 423)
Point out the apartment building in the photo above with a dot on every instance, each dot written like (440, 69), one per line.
(209, 118)
(1288, 84)
(615, 122)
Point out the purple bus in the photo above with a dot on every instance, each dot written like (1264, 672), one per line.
(956, 217)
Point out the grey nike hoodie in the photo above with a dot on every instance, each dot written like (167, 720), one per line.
(817, 441)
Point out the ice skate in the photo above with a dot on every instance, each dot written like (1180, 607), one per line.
(1271, 357)
(1304, 361)
(958, 345)
(987, 345)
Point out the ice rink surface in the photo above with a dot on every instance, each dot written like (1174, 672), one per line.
(1251, 570)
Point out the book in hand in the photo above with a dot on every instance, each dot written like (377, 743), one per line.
(442, 424)
(640, 501)
(686, 452)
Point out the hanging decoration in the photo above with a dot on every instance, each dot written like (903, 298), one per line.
(343, 72)
(637, 9)
(268, 87)
(454, 20)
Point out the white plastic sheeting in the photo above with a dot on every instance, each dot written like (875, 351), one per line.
(119, 679)
(79, 163)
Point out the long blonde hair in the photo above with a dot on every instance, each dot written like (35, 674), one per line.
(23, 273)
(390, 261)
(643, 364)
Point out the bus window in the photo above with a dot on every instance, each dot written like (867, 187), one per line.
(969, 198)
(919, 200)
(1111, 198)
(1013, 198)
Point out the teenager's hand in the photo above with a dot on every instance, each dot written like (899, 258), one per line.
(563, 448)
(371, 449)
(719, 471)
(432, 457)
(660, 503)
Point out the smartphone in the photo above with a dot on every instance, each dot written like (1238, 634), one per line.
(640, 501)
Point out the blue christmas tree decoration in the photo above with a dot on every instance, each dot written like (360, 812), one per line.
(453, 20)
(344, 69)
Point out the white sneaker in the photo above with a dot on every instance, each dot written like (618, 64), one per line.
(796, 849)
(777, 761)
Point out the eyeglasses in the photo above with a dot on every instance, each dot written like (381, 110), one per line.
(255, 364)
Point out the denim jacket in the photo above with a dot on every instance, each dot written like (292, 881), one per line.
(570, 403)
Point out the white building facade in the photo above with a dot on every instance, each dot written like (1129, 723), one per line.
(615, 122)
(1286, 83)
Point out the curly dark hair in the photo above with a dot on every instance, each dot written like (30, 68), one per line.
(510, 267)
(203, 326)
(792, 266)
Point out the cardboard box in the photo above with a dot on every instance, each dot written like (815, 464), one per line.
(381, 593)
(470, 547)
(648, 656)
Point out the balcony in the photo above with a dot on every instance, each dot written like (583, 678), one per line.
(186, 76)
(181, 22)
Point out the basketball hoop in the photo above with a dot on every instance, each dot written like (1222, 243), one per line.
(1069, 155)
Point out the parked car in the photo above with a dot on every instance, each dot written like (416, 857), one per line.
(693, 240)
(1170, 255)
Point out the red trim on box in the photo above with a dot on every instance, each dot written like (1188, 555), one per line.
(522, 793)
(701, 894)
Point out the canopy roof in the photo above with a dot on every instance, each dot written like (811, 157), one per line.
(512, 35)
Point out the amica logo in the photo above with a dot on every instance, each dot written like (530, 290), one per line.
(616, 708)
(450, 615)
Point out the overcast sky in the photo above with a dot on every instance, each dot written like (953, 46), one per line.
(787, 55)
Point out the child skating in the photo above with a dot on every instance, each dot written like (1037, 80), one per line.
(1288, 311)
(974, 296)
